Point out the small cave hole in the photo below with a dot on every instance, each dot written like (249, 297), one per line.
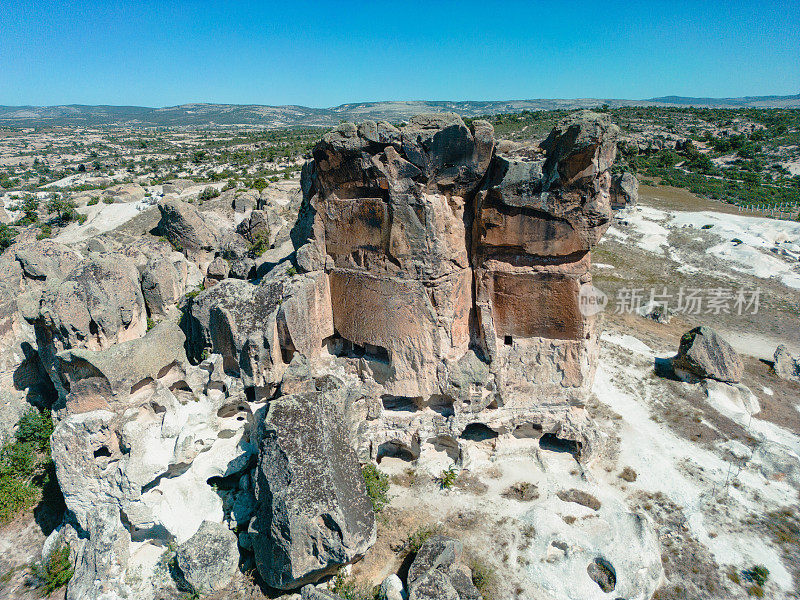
(478, 432)
(553, 443)
(603, 574)
(166, 369)
(102, 451)
(444, 405)
(400, 403)
(180, 386)
(395, 450)
(508, 340)
(142, 384)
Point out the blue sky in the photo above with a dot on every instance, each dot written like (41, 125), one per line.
(328, 53)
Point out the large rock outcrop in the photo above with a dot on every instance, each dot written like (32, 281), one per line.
(313, 514)
(443, 254)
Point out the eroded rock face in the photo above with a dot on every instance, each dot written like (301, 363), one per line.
(437, 248)
(313, 514)
(430, 311)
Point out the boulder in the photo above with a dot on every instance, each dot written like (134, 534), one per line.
(704, 354)
(309, 592)
(126, 192)
(97, 305)
(217, 271)
(209, 559)
(786, 365)
(97, 378)
(624, 190)
(185, 227)
(439, 573)
(255, 227)
(313, 514)
(257, 328)
(392, 588)
(163, 283)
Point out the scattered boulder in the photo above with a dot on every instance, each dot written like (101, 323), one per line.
(217, 271)
(704, 354)
(184, 226)
(392, 588)
(255, 227)
(163, 284)
(438, 572)
(656, 311)
(309, 592)
(786, 365)
(624, 190)
(313, 514)
(210, 558)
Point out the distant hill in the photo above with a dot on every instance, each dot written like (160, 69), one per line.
(205, 115)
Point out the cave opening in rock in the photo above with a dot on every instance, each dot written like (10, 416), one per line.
(508, 340)
(102, 451)
(400, 403)
(553, 443)
(478, 432)
(395, 449)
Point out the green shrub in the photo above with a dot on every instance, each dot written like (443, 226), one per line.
(291, 271)
(25, 465)
(259, 245)
(757, 574)
(30, 211)
(46, 232)
(7, 235)
(150, 323)
(351, 589)
(55, 573)
(448, 478)
(108, 200)
(63, 208)
(208, 193)
(259, 184)
(414, 542)
(377, 484)
(36, 427)
(484, 577)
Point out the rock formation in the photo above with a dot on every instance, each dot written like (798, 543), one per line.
(704, 354)
(786, 365)
(430, 307)
(312, 514)
(455, 272)
(624, 190)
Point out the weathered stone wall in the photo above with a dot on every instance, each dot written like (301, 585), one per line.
(435, 244)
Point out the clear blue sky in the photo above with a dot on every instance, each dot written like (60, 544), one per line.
(327, 53)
